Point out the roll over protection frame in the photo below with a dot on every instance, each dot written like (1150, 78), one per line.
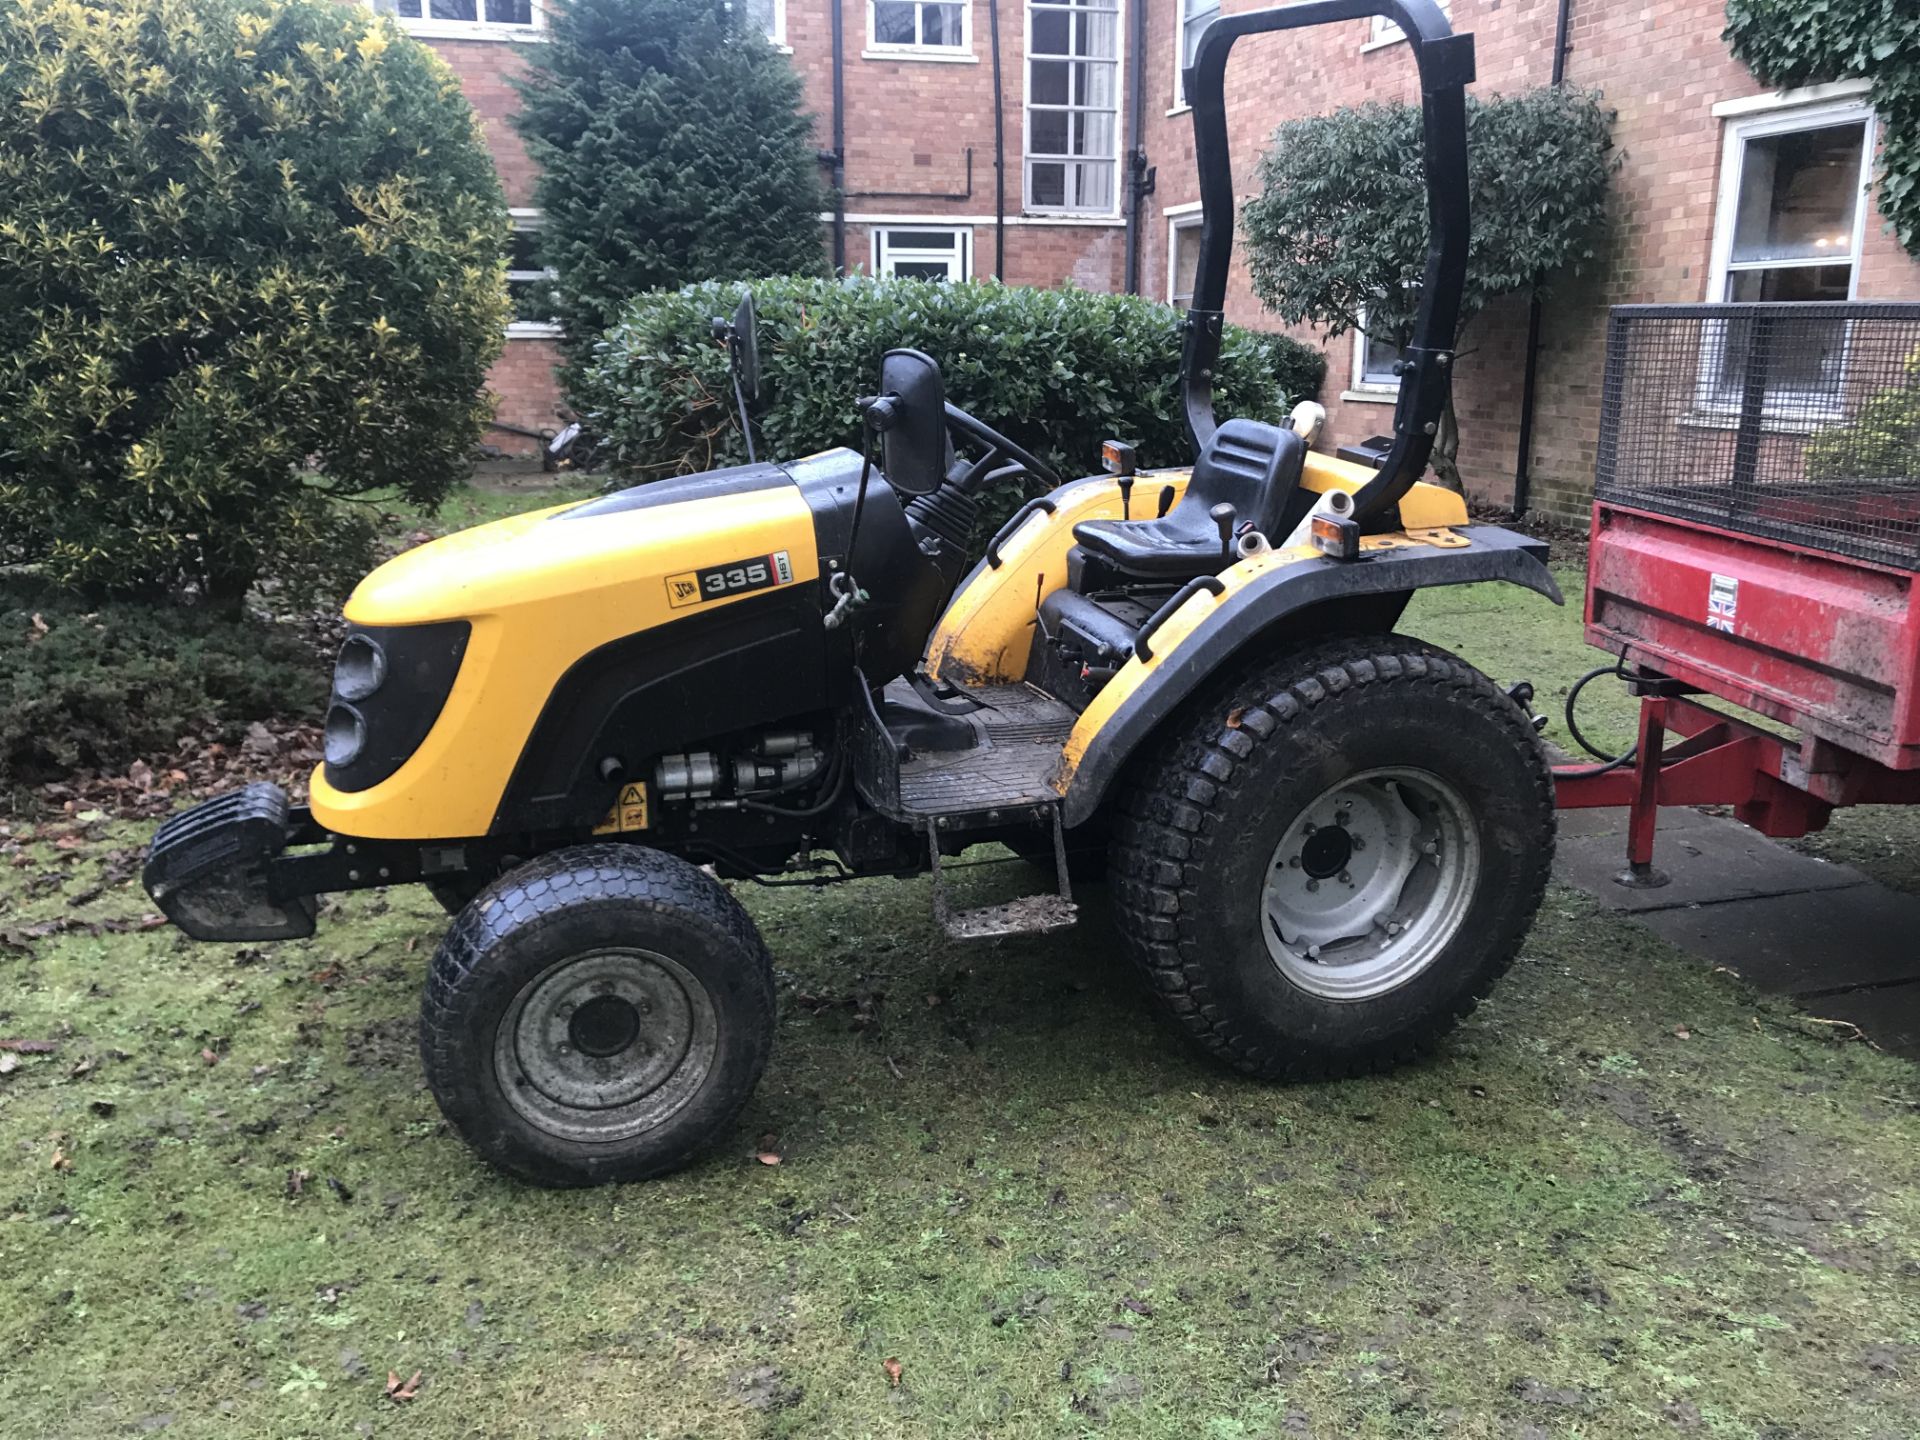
(1446, 69)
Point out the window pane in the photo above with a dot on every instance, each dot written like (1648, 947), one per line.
(1093, 134)
(1185, 263)
(510, 12)
(1095, 190)
(940, 25)
(1050, 82)
(1799, 195)
(1376, 367)
(523, 250)
(451, 10)
(1049, 32)
(759, 16)
(922, 269)
(1047, 183)
(923, 240)
(1048, 132)
(893, 22)
(1196, 16)
(1093, 83)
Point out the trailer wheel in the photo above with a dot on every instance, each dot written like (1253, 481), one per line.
(597, 1015)
(1327, 864)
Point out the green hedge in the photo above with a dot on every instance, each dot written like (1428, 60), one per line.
(99, 689)
(1058, 370)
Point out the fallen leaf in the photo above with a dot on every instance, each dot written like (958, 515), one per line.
(397, 1392)
(61, 1160)
(9, 1062)
(81, 1068)
(1681, 1032)
(297, 1180)
(767, 1157)
(892, 1367)
(40, 626)
(30, 1047)
(1139, 1307)
(207, 1057)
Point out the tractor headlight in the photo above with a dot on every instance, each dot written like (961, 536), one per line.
(361, 668)
(346, 734)
(389, 686)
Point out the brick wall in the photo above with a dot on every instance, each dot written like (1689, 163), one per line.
(525, 392)
(485, 69)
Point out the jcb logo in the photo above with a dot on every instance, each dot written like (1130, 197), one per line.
(738, 577)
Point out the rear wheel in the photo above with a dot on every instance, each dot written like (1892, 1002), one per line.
(599, 1014)
(1325, 866)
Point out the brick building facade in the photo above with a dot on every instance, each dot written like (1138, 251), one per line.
(1726, 190)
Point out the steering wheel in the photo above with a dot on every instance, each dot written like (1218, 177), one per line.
(997, 447)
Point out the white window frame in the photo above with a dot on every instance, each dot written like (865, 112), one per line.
(1120, 99)
(1182, 15)
(961, 54)
(776, 37)
(1362, 388)
(1382, 31)
(527, 221)
(1179, 218)
(427, 29)
(959, 266)
(1738, 130)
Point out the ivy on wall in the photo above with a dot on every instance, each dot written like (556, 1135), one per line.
(1808, 42)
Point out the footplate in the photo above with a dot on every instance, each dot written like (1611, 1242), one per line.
(1026, 915)
(207, 869)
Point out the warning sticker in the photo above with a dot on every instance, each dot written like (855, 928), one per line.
(629, 812)
(736, 577)
(1723, 603)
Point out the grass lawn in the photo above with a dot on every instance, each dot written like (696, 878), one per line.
(1629, 1198)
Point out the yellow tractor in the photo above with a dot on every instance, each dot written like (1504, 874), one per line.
(1324, 841)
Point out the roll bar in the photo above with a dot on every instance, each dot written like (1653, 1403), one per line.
(1446, 69)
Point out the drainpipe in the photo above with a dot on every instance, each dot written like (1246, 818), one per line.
(1523, 462)
(837, 157)
(1137, 188)
(999, 148)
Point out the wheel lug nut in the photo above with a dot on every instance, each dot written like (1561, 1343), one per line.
(1341, 819)
(566, 1049)
(1313, 952)
(1313, 884)
(1294, 862)
(1345, 878)
(1311, 827)
(1359, 842)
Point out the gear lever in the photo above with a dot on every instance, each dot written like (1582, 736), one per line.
(1224, 516)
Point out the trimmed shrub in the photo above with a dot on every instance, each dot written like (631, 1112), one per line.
(1058, 371)
(100, 689)
(672, 148)
(251, 258)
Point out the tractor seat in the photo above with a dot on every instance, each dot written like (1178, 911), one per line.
(1249, 465)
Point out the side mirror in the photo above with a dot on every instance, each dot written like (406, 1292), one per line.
(911, 416)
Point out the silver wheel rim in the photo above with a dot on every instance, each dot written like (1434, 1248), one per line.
(1370, 884)
(606, 1046)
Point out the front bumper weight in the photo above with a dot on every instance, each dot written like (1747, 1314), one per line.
(208, 868)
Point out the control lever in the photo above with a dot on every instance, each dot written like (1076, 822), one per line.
(1224, 516)
(1126, 497)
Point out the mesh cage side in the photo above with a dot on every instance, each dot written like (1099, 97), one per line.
(1798, 422)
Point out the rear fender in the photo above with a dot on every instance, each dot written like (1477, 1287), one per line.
(1255, 606)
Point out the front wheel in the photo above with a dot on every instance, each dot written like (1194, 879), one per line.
(597, 1015)
(1328, 864)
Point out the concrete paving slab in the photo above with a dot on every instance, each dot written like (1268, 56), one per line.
(1889, 1014)
(1612, 820)
(1815, 941)
(1710, 859)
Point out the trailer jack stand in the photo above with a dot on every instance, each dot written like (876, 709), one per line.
(1643, 813)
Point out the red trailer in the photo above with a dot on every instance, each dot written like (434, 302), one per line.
(1756, 539)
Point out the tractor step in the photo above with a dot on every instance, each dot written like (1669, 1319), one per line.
(1025, 915)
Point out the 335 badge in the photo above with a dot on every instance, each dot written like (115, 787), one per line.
(736, 577)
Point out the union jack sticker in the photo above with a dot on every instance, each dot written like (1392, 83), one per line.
(1723, 603)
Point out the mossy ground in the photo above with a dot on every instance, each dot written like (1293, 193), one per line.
(1629, 1197)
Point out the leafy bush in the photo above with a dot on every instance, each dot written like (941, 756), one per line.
(99, 690)
(1881, 442)
(238, 238)
(1058, 370)
(1791, 42)
(671, 148)
(1340, 226)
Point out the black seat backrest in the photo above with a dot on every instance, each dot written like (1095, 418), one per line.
(1251, 466)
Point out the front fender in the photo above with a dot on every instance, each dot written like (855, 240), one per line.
(1145, 693)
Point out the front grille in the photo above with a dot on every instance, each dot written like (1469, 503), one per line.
(1798, 422)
